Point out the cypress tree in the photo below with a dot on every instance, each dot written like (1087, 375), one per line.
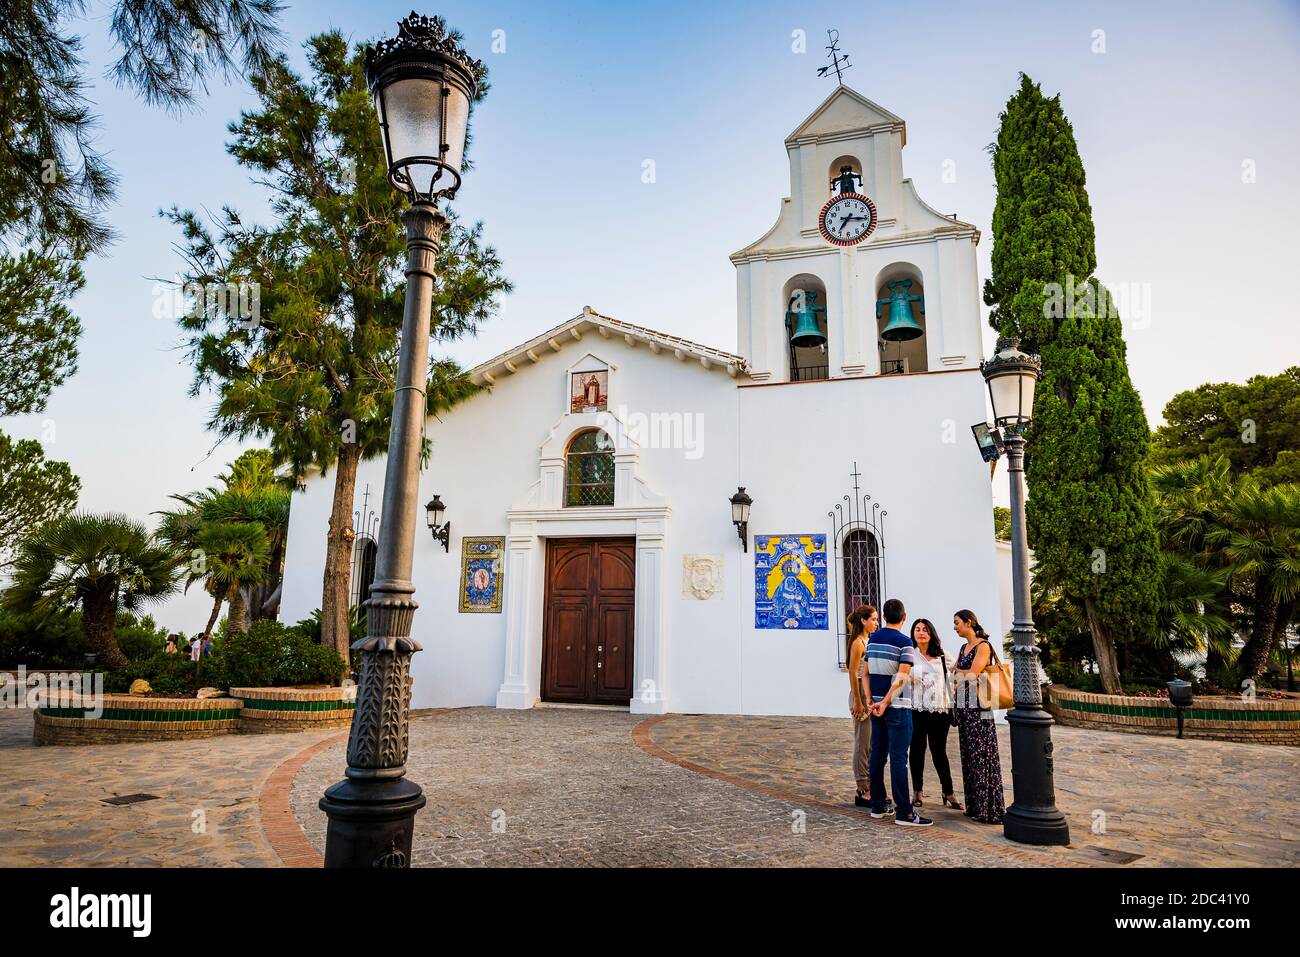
(1089, 511)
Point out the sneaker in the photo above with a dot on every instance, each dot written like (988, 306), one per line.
(888, 810)
(914, 821)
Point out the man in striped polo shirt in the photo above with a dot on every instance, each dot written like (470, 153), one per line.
(888, 663)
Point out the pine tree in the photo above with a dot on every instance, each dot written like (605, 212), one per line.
(313, 373)
(1089, 509)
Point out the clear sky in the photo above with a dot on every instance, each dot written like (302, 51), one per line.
(1183, 95)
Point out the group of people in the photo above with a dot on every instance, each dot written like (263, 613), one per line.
(194, 650)
(904, 695)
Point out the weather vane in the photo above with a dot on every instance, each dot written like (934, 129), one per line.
(838, 63)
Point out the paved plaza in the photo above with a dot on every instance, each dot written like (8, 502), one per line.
(605, 788)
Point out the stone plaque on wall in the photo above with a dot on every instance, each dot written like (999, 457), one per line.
(702, 577)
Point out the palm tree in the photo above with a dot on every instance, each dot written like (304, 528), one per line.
(1263, 542)
(253, 494)
(101, 563)
(1227, 524)
(232, 556)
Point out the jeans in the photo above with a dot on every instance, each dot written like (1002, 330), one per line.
(891, 737)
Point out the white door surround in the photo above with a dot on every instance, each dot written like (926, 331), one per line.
(637, 513)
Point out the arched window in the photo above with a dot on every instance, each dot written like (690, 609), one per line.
(806, 328)
(363, 569)
(861, 570)
(589, 470)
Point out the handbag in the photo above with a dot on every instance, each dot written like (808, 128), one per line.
(1001, 693)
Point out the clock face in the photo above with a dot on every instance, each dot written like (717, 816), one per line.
(848, 219)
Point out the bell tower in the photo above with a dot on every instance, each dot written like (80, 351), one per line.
(858, 276)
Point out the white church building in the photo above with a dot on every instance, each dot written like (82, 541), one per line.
(591, 555)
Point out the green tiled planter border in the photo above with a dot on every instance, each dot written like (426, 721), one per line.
(1252, 722)
(1166, 711)
(321, 704)
(138, 714)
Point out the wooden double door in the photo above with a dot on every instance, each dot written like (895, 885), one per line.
(590, 614)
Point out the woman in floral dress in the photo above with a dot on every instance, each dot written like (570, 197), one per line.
(981, 768)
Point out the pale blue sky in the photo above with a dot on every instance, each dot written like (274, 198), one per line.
(585, 92)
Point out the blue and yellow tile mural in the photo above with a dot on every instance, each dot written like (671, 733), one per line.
(790, 582)
(480, 574)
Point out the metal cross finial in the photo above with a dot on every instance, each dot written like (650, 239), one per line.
(838, 63)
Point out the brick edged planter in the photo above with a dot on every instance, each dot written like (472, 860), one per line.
(1217, 719)
(277, 710)
(125, 719)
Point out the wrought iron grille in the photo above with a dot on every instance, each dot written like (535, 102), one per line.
(365, 549)
(858, 539)
(809, 373)
(589, 478)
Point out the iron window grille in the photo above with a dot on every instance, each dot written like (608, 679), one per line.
(589, 478)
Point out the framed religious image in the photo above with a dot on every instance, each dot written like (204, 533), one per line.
(481, 574)
(589, 391)
(790, 582)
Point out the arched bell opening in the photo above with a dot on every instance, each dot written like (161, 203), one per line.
(844, 175)
(806, 332)
(900, 320)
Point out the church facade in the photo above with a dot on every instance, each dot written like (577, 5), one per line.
(591, 555)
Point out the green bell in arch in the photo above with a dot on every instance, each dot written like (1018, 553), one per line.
(804, 331)
(901, 326)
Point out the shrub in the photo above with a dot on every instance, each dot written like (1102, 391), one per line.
(41, 640)
(272, 655)
(139, 639)
(166, 674)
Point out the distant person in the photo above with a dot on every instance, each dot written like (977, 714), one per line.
(981, 767)
(931, 713)
(207, 647)
(196, 649)
(862, 622)
(171, 648)
(889, 661)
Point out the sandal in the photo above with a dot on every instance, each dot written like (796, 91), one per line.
(917, 802)
(951, 801)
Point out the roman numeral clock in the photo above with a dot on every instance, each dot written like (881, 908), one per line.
(849, 217)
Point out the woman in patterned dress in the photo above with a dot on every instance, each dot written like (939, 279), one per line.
(981, 768)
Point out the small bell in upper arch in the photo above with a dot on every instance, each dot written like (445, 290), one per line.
(844, 183)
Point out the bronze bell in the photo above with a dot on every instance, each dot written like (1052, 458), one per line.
(804, 330)
(901, 326)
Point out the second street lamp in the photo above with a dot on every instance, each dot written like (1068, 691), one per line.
(1032, 817)
(423, 84)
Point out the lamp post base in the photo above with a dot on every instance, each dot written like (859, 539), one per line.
(1033, 817)
(371, 822)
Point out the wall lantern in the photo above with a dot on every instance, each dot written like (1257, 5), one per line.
(1011, 376)
(740, 503)
(434, 512)
(423, 85)
(989, 440)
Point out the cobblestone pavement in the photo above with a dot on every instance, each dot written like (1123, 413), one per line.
(1185, 803)
(573, 789)
(52, 810)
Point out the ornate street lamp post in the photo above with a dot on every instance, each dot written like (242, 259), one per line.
(423, 85)
(1032, 817)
